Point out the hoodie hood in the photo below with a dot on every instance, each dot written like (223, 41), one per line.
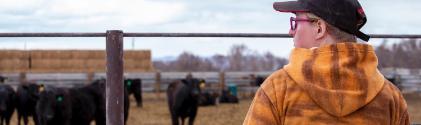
(341, 78)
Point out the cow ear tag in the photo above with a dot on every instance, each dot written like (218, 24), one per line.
(41, 88)
(129, 83)
(202, 85)
(59, 98)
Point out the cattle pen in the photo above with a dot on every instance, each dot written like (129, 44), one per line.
(114, 58)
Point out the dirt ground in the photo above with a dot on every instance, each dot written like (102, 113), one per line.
(155, 112)
(414, 107)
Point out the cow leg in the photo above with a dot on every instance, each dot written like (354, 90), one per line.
(191, 120)
(192, 116)
(100, 119)
(19, 116)
(25, 120)
(35, 119)
(7, 121)
(174, 119)
(182, 121)
(138, 98)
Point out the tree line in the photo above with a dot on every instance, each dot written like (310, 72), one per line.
(239, 58)
(403, 54)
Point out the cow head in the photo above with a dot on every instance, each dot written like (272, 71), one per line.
(193, 85)
(99, 84)
(52, 101)
(128, 83)
(133, 85)
(99, 81)
(33, 90)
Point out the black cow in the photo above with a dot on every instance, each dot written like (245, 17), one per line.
(134, 86)
(97, 91)
(97, 88)
(260, 80)
(126, 105)
(27, 97)
(83, 105)
(87, 105)
(7, 103)
(54, 106)
(227, 97)
(209, 98)
(395, 79)
(183, 98)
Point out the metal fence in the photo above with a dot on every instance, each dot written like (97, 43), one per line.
(114, 58)
(157, 82)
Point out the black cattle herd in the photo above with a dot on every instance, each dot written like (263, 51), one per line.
(51, 105)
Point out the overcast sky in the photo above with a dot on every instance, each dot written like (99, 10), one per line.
(225, 16)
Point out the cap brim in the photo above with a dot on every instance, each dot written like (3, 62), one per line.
(289, 6)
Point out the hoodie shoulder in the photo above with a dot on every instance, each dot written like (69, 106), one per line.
(267, 106)
(276, 86)
(276, 83)
(398, 104)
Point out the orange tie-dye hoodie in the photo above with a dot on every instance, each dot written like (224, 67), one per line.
(333, 84)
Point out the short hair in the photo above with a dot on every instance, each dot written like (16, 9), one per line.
(337, 33)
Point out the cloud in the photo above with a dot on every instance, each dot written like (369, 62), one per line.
(392, 17)
(245, 16)
(79, 15)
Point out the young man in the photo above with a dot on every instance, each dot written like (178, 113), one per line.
(330, 78)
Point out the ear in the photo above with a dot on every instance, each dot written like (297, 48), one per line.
(321, 29)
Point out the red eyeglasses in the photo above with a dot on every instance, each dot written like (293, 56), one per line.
(293, 21)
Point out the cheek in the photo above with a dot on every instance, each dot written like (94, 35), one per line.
(303, 37)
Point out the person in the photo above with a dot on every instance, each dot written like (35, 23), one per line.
(331, 78)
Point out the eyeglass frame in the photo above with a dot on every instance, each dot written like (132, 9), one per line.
(294, 27)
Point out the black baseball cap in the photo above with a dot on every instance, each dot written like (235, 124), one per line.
(347, 15)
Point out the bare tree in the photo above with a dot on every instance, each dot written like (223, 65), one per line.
(239, 58)
(236, 57)
(382, 53)
(187, 62)
(404, 54)
(220, 62)
(269, 62)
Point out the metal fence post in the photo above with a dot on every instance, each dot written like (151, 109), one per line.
(221, 81)
(114, 84)
(89, 77)
(158, 84)
(22, 78)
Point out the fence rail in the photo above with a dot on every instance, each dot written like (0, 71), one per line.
(153, 83)
(247, 35)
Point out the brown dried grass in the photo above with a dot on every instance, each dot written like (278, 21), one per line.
(155, 112)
